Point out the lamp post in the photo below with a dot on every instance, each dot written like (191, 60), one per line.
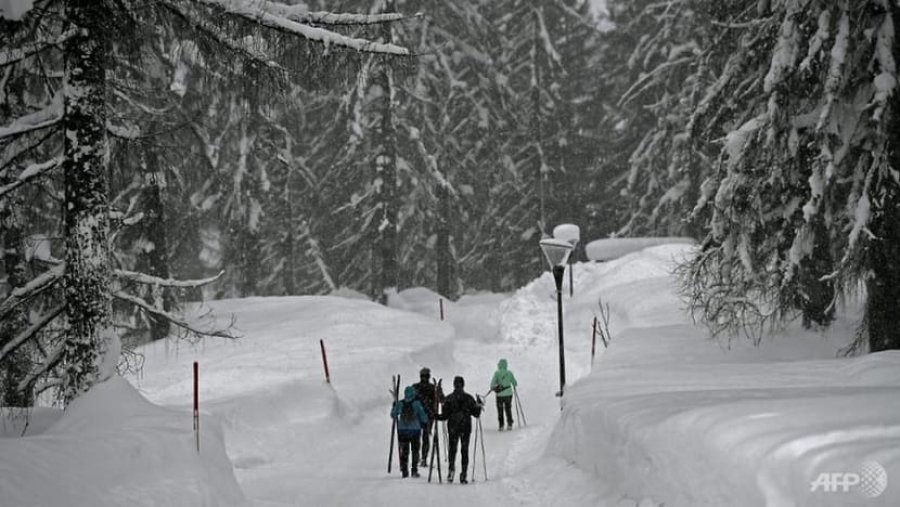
(557, 252)
(570, 233)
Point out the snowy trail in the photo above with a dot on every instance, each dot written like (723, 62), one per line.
(344, 463)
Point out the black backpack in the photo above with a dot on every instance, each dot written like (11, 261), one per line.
(407, 414)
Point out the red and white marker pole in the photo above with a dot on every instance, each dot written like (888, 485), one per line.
(197, 404)
(325, 361)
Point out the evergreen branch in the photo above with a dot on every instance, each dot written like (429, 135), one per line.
(261, 12)
(31, 331)
(32, 289)
(143, 305)
(294, 13)
(145, 279)
(32, 172)
(209, 31)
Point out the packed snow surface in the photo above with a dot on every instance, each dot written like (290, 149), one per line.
(665, 416)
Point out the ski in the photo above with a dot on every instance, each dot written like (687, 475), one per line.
(395, 393)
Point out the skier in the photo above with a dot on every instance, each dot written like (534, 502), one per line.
(459, 408)
(411, 417)
(502, 384)
(425, 393)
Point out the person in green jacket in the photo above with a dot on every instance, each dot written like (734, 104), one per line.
(502, 383)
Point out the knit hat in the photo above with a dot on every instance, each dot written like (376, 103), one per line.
(458, 382)
(425, 372)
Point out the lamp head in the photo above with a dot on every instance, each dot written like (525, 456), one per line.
(556, 251)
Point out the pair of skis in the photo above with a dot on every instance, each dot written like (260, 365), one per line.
(436, 439)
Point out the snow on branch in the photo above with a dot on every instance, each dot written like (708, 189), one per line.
(145, 279)
(33, 288)
(47, 117)
(32, 330)
(9, 56)
(299, 14)
(32, 172)
(270, 14)
(143, 305)
(210, 31)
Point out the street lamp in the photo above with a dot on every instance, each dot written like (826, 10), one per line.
(557, 252)
(570, 233)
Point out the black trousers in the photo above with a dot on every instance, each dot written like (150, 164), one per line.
(504, 404)
(455, 439)
(407, 441)
(426, 440)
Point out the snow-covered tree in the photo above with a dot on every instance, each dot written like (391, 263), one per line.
(272, 38)
(804, 195)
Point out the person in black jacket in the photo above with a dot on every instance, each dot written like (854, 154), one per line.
(459, 408)
(425, 393)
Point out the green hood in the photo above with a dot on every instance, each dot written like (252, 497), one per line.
(501, 365)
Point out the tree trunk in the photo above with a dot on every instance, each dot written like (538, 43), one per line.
(818, 293)
(16, 365)
(155, 259)
(536, 115)
(86, 207)
(883, 286)
(444, 261)
(386, 176)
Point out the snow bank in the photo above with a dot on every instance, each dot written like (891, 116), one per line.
(613, 248)
(669, 414)
(112, 447)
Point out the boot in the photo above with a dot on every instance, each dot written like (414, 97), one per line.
(415, 472)
(462, 479)
(450, 475)
(405, 473)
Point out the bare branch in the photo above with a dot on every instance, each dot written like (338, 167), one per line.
(164, 282)
(52, 360)
(47, 117)
(143, 305)
(32, 172)
(32, 289)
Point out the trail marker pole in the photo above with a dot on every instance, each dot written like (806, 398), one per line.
(197, 404)
(593, 341)
(325, 361)
(441, 304)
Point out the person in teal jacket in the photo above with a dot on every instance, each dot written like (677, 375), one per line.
(411, 417)
(502, 383)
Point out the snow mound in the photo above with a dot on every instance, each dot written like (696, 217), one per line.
(138, 454)
(668, 414)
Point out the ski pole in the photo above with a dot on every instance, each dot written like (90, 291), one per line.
(483, 457)
(474, 466)
(519, 407)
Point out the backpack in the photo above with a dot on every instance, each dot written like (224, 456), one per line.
(407, 414)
